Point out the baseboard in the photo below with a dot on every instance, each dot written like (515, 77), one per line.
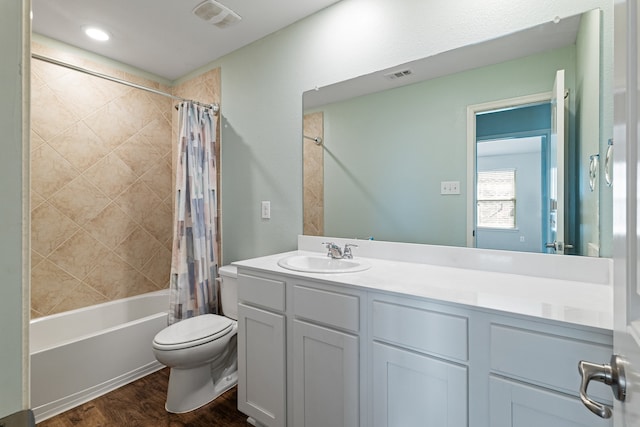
(56, 407)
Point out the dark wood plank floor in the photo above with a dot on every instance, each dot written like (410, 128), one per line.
(141, 404)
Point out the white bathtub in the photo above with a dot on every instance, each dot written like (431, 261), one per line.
(81, 354)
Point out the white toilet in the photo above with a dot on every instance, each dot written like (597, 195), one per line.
(201, 351)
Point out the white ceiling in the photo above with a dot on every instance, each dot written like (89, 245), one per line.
(164, 37)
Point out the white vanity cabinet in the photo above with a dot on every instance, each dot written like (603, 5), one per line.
(298, 352)
(326, 357)
(262, 349)
(418, 364)
(314, 352)
(518, 404)
(534, 378)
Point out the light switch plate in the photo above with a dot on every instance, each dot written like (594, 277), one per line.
(265, 209)
(450, 187)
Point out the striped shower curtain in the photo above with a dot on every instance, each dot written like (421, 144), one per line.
(194, 261)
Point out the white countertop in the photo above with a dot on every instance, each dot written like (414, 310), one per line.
(572, 301)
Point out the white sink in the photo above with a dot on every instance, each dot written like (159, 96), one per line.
(322, 264)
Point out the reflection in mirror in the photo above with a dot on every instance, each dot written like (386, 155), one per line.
(313, 155)
(392, 139)
(514, 207)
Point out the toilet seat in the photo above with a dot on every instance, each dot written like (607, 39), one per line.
(192, 332)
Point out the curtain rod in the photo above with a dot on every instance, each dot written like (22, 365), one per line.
(214, 106)
(316, 139)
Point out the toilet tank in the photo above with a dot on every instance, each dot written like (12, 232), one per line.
(229, 290)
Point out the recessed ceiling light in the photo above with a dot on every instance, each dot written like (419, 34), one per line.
(96, 34)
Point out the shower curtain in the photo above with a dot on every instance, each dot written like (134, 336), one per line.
(194, 259)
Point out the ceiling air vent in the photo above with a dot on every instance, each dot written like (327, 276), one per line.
(215, 13)
(398, 74)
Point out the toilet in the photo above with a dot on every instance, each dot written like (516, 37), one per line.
(201, 351)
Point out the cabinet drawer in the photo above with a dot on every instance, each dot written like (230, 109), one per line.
(330, 308)
(546, 359)
(420, 329)
(261, 291)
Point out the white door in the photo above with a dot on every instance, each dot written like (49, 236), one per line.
(555, 236)
(625, 196)
(626, 342)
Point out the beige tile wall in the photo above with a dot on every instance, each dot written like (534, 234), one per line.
(101, 190)
(313, 175)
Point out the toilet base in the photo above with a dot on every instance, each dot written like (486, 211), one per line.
(192, 388)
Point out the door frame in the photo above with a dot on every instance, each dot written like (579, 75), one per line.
(472, 110)
(626, 277)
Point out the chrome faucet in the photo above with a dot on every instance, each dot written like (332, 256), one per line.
(346, 253)
(335, 252)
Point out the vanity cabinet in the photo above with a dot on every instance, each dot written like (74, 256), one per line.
(534, 378)
(412, 389)
(262, 349)
(419, 369)
(326, 365)
(315, 353)
(298, 352)
(325, 376)
(519, 404)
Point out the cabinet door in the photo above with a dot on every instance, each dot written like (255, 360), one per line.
(518, 405)
(261, 365)
(411, 389)
(325, 377)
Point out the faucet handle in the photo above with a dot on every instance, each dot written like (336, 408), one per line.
(347, 250)
(334, 250)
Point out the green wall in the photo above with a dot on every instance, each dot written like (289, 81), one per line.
(12, 351)
(386, 153)
(592, 131)
(262, 86)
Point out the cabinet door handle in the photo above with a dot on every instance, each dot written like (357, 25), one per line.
(611, 374)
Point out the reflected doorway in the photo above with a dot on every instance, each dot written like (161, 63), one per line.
(505, 124)
(511, 193)
(514, 179)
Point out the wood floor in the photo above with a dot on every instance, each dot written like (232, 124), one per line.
(141, 404)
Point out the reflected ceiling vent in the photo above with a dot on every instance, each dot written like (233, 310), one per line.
(398, 74)
(215, 13)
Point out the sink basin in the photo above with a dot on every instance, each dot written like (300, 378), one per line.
(322, 264)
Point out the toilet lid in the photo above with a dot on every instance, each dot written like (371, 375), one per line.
(194, 330)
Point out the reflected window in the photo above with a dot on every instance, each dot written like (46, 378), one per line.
(497, 199)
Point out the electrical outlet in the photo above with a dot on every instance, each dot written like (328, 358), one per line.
(265, 209)
(450, 187)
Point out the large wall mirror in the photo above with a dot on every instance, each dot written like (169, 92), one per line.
(387, 155)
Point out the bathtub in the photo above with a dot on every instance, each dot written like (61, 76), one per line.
(84, 353)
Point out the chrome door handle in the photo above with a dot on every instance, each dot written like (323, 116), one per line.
(555, 245)
(611, 374)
